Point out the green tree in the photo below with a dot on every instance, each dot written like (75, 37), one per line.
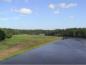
(2, 35)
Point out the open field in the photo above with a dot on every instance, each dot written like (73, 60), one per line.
(20, 43)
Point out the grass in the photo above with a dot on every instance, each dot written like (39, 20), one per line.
(21, 43)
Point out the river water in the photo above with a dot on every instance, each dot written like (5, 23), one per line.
(67, 51)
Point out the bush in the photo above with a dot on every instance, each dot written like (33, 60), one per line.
(9, 35)
(2, 35)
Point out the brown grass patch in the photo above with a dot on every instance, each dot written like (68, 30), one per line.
(9, 51)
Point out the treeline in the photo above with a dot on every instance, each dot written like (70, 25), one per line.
(75, 32)
(71, 32)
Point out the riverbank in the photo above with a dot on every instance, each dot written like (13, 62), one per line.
(21, 43)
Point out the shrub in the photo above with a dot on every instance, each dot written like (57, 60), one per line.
(8, 35)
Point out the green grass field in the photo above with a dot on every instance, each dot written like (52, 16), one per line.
(20, 43)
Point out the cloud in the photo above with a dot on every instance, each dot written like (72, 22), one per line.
(51, 6)
(65, 5)
(62, 5)
(23, 11)
(9, 18)
(26, 1)
(57, 12)
(72, 17)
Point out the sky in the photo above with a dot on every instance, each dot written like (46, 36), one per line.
(42, 14)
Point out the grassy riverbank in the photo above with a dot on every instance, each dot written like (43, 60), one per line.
(20, 43)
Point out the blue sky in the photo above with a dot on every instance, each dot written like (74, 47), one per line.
(42, 14)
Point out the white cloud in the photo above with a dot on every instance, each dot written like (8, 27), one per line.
(72, 17)
(72, 5)
(51, 6)
(62, 5)
(57, 12)
(26, 1)
(23, 11)
(65, 5)
(9, 18)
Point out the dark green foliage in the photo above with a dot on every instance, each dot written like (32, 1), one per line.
(8, 32)
(72, 32)
(2, 35)
(75, 32)
(8, 35)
